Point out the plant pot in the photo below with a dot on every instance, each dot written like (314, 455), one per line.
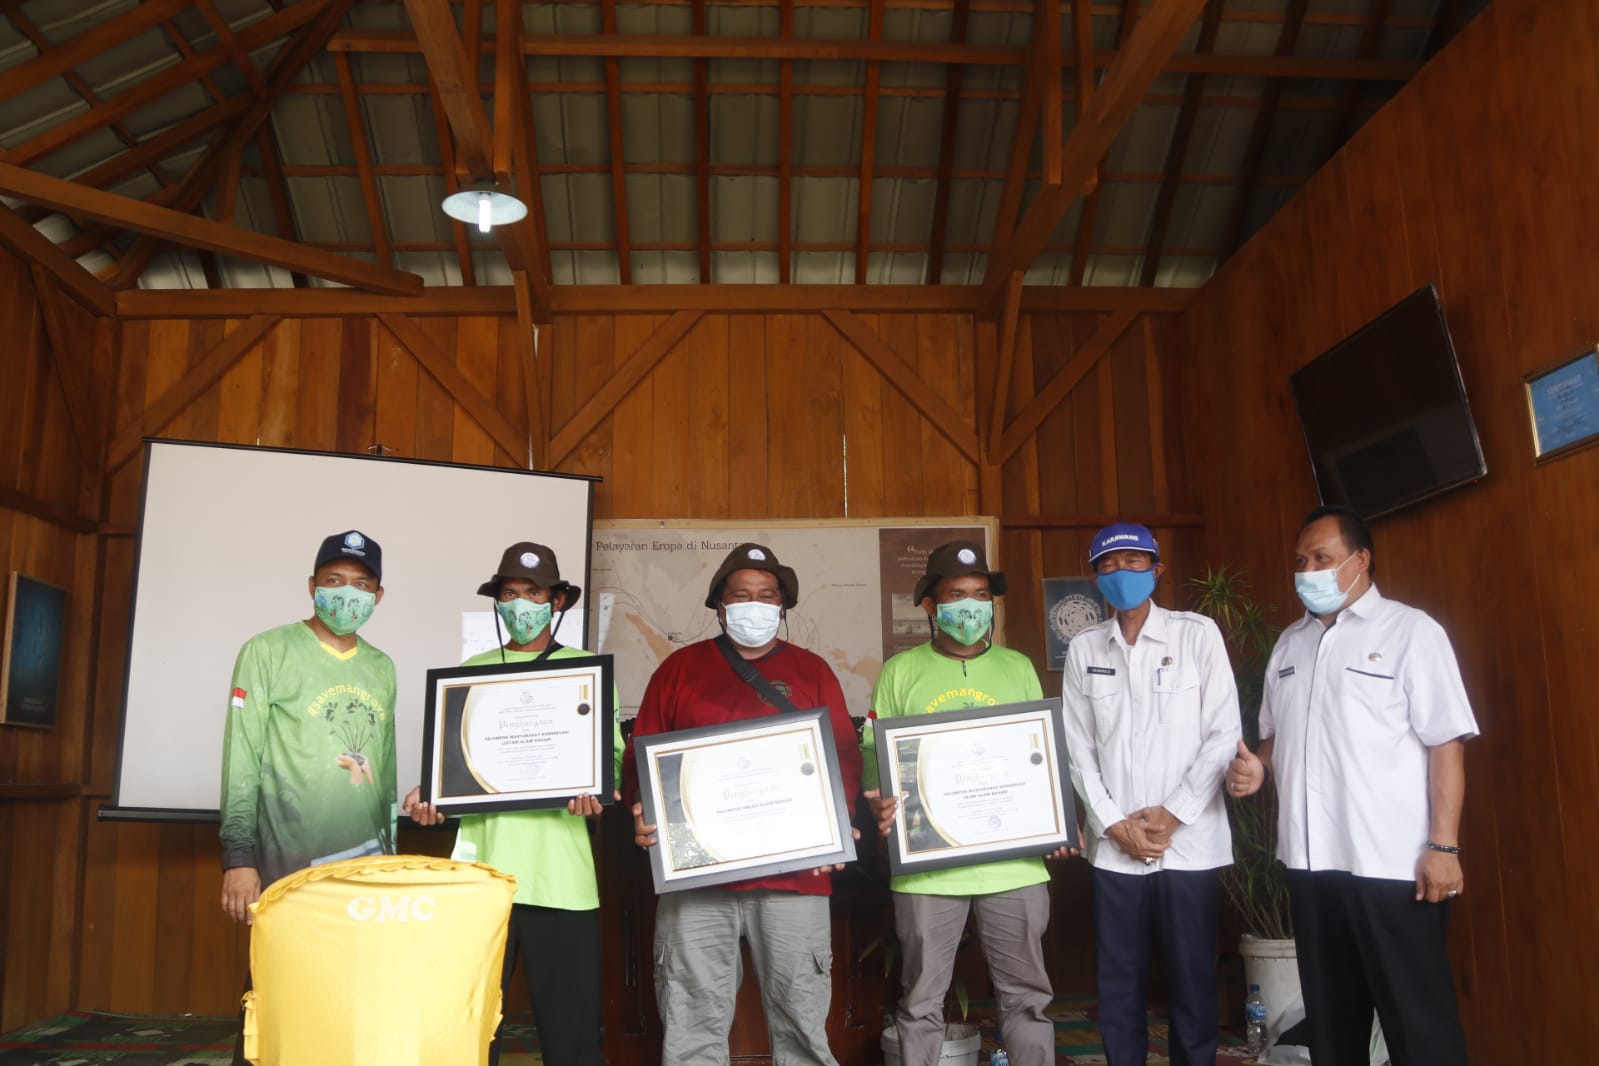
(1274, 966)
(961, 1044)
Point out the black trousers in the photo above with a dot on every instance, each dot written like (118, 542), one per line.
(560, 953)
(1130, 910)
(1364, 943)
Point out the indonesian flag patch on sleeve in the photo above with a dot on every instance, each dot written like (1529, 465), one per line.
(238, 698)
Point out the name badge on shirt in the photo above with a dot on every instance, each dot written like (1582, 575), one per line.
(1287, 671)
(1103, 671)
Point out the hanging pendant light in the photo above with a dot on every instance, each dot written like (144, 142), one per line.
(485, 205)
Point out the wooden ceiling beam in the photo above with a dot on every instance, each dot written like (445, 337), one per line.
(847, 246)
(863, 190)
(278, 190)
(530, 182)
(533, 387)
(176, 38)
(1009, 328)
(200, 180)
(167, 224)
(688, 46)
(516, 243)
(52, 62)
(113, 109)
(1083, 50)
(1017, 169)
(636, 299)
(1149, 46)
(230, 42)
(31, 246)
(1177, 150)
(702, 151)
(1051, 121)
(1260, 133)
(70, 372)
(455, 77)
(944, 179)
(452, 185)
(785, 150)
(355, 125)
(613, 110)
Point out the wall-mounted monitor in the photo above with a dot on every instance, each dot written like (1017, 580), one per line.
(1385, 413)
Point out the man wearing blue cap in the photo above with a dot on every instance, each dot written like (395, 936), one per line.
(1151, 723)
(308, 757)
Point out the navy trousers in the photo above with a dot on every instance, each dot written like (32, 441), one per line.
(1177, 909)
(1364, 943)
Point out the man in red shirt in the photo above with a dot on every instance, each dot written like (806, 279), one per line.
(784, 918)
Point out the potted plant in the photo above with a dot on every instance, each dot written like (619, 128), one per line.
(961, 1039)
(1256, 885)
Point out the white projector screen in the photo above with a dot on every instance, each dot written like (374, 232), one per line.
(227, 537)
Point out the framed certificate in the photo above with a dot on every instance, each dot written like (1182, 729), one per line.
(1563, 403)
(517, 736)
(977, 785)
(742, 800)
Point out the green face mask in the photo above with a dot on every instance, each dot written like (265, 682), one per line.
(344, 608)
(524, 620)
(967, 620)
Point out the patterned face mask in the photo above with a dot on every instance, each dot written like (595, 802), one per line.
(344, 608)
(966, 620)
(523, 619)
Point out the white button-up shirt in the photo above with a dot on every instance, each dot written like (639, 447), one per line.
(1354, 707)
(1153, 724)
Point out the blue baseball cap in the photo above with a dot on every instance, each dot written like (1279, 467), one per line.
(353, 545)
(1122, 536)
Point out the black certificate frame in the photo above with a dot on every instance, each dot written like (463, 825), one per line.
(443, 748)
(651, 750)
(891, 733)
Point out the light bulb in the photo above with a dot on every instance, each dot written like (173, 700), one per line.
(485, 213)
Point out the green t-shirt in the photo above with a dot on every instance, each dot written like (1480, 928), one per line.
(921, 681)
(308, 754)
(548, 852)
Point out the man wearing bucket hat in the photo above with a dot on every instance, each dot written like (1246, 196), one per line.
(959, 668)
(784, 918)
(555, 922)
(1151, 722)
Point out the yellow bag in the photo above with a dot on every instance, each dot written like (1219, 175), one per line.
(378, 961)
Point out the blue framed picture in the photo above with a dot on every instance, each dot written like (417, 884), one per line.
(1563, 402)
(30, 669)
(1071, 605)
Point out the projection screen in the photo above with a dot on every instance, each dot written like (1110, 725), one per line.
(227, 537)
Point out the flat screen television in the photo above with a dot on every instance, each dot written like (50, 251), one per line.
(1385, 413)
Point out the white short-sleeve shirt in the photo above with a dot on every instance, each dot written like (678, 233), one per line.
(1153, 724)
(1354, 707)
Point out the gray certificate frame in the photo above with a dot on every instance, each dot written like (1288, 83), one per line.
(650, 751)
(447, 689)
(893, 734)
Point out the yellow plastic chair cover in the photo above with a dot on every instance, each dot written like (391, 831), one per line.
(378, 961)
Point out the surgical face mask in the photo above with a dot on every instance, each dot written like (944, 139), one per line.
(752, 623)
(966, 620)
(343, 608)
(1126, 589)
(1318, 589)
(524, 619)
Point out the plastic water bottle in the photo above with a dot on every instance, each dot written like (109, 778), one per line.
(998, 1057)
(1254, 1022)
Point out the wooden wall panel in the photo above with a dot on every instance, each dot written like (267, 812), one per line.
(1509, 566)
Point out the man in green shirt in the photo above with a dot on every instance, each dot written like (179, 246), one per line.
(961, 668)
(555, 918)
(308, 753)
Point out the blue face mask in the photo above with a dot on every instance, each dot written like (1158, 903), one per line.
(1318, 589)
(1126, 589)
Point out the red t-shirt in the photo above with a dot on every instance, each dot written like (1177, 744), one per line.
(696, 686)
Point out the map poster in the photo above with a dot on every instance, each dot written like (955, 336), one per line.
(902, 560)
(1071, 605)
(648, 580)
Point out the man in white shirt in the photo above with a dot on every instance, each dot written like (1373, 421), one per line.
(1151, 721)
(1364, 721)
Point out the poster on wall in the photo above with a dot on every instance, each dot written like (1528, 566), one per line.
(1563, 402)
(1071, 605)
(30, 669)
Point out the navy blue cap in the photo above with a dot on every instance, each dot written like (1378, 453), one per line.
(354, 545)
(1122, 536)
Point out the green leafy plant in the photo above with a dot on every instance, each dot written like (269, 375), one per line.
(1256, 884)
(888, 943)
